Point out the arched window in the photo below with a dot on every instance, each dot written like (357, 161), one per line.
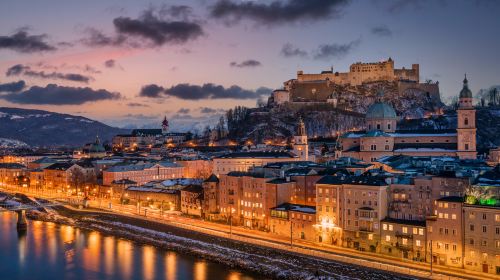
(466, 121)
(378, 126)
(388, 126)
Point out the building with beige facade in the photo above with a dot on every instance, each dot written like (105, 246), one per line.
(349, 210)
(294, 221)
(142, 173)
(244, 161)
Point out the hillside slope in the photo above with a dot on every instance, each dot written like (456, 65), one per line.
(43, 128)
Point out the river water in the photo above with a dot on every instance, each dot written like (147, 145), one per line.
(51, 251)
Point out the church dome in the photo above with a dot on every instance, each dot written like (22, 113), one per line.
(380, 109)
(465, 92)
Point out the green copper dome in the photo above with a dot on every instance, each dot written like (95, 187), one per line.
(465, 92)
(380, 109)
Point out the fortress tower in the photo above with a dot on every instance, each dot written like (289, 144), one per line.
(466, 126)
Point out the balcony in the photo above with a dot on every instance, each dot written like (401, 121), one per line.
(407, 247)
(366, 228)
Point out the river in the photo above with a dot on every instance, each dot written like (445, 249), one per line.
(51, 251)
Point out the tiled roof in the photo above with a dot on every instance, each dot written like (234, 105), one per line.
(404, 222)
(193, 189)
(212, 179)
(259, 154)
(451, 199)
(11, 166)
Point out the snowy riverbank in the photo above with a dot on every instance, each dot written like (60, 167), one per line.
(267, 262)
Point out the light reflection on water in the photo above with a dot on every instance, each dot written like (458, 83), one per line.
(50, 251)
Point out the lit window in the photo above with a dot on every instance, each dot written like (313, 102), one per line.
(388, 238)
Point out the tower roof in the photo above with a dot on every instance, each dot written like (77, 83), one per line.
(380, 109)
(465, 92)
(301, 128)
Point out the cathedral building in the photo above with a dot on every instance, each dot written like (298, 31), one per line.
(382, 138)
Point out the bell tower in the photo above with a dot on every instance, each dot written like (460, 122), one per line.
(466, 124)
(164, 126)
(300, 146)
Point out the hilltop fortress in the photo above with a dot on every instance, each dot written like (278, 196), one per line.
(361, 83)
(360, 73)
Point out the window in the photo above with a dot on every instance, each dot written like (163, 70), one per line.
(466, 121)
(384, 226)
(390, 227)
(421, 231)
(471, 227)
(405, 241)
(484, 229)
(453, 216)
(388, 126)
(417, 243)
(497, 218)
(466, 147)
(415, 230)
(388, 238)
(405, 230)
(497, 243)
(484, 216)
(378, 126)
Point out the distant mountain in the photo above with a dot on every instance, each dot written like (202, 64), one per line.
(43, 128)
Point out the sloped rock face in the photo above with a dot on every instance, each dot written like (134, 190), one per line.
(323, 119)
(43, 128)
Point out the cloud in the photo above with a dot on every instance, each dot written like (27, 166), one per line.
(96, 38)
(153, 28)
(246, 63)
(136, 104)
(290, 50)
(206, 91)
(110, 63)
(151, 90)
(12, 87)
(335, 50)
(382, 31)
(142, 116)
(183, 111)
(206, 110)
(22, 42)
(277, 12)
(20, 69)
(396, 6)
(53, 94)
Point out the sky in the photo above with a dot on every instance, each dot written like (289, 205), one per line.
(129, 63)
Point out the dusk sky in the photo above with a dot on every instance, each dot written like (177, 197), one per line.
(131, 62)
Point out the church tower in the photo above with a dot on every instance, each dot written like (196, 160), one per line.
(164, 126)
(466, 126)
(300, 146)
